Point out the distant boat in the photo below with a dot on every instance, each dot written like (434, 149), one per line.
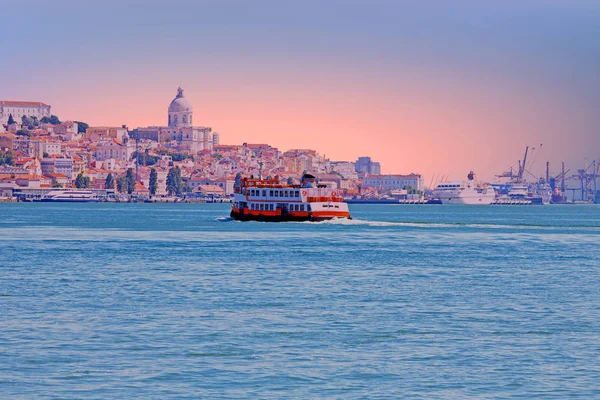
(466, 192)
(70, 196)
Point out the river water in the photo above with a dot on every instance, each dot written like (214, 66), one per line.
(173, 301)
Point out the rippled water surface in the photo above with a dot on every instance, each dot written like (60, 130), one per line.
(167, 301)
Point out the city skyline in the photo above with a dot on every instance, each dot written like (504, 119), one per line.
(417, 88)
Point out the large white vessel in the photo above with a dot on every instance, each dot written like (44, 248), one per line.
(466, 192)
(71, 196)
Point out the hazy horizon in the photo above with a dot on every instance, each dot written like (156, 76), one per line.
(418, 86)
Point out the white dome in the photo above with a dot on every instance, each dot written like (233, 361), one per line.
(180, 103)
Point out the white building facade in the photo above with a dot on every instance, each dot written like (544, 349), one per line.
(394, 182)
(18, 109)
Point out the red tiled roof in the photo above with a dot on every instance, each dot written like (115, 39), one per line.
(12, 103)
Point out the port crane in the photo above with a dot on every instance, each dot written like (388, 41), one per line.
(588, 180)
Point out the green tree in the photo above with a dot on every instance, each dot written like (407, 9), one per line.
(122, 184)
(45, 155)
(174, 182)
(82, 181)
(109, 183)
(26, 121)
(11, 120)
(23, 132)
(153, 182)
(81, 126)
(9, 158)
(35, 121)
(57, 185)
(54, 120)
(290, 180)
(45, 120)
(130, 179)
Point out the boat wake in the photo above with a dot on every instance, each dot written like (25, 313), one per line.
(223, 219)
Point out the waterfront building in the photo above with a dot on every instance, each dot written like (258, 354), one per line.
(60, 166)
(19, 109)
(366, 165)
(394, 182)
(111, 149)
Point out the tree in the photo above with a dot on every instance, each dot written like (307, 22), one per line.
(11, 120)
(45, 155)
(9, 158)
(26, 121)
(54, 120)
(109, 183)
(56, 185)
(153, 181)
(23, 132)
(45, 120)
(81, 126)
(290, 180)
(122, 184)
(82, 182)
(174, 182)
(130, 181)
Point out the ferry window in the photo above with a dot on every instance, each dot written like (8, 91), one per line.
(262, 206)
(301, 207)
(308, 207)
(286, 193)
(271, 193)
(264, 192)
(252, 206)
(277, 193)
(296, 193)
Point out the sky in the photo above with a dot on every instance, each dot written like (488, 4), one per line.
(431, 87)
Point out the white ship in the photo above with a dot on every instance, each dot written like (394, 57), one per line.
(466, 192)
(75, 196)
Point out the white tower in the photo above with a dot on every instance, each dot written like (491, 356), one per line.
(180, 111)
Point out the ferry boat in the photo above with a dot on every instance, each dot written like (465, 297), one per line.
(270, 200)
(71, 196)
(465, 192)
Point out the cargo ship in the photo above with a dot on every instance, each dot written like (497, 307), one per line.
(270, 200)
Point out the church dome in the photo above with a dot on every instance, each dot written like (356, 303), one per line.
(180, 103)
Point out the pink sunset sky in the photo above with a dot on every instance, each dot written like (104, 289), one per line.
(420, 87)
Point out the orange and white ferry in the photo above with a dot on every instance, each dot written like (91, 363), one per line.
(270, 200)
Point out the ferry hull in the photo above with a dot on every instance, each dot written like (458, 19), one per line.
(286, 218)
